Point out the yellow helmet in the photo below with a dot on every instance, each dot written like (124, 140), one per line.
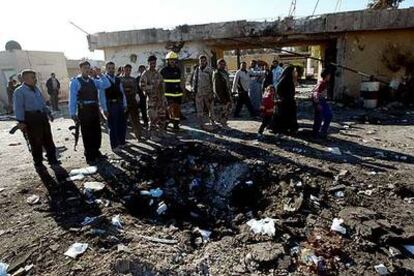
(171, 55)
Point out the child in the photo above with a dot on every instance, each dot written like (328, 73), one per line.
(267, 108)
(322, 109)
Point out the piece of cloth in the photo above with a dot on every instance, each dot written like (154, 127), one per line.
(28, 99)
(265, 123)
(152, 85)
(116, 124)
(222, 112)
(172, 80)
(243, 99)
(89, 117)
(221, 86)
(40, 136)
(323, 113)
(277, 73)
(74, 88)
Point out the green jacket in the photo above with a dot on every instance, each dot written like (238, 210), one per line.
(221, 86)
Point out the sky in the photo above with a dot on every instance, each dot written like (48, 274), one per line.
(43, 25)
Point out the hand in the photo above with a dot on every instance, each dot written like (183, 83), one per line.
(75, 119)
(22, 127)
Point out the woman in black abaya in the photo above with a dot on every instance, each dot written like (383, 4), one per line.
(285, 118)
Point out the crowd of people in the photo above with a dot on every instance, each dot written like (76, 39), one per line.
(155, 96)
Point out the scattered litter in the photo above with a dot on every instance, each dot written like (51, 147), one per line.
(409, 200)
(97, 231)
(104, 202)
(335, 151)
(366, 192)
(94, 186)
(33, 199)
(249, 183)
(162, 208)
(76, 249)
(337, 227)
(339, 194)
(153, 193)
(85, 171)
(123, 248)
(116, 221)
(293, 204)
(88, 220)
(310, 259)
(409, 248)
(264, 226)
(3, 269)
(205, 234)
(195, 184)
(370, 132)
(372, 173)
(381, 269)
(75, 177)
(158, 240)
(14, 144)
(2, 189)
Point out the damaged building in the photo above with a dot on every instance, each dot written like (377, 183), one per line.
(360, 40)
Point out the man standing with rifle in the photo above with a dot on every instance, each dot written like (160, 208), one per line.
(33, 117)
(84, 102)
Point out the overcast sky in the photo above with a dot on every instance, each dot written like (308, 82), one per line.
(44, 24)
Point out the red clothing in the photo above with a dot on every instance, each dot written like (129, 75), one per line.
(268, 104)
(320, 91)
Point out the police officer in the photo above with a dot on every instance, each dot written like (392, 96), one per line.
(116, 105)
(33, 116)
(84, 102)
(173, 88)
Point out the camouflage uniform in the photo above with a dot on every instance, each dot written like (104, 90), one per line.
(202, 84)
(152, 85)
(222, 92)
(130, 88)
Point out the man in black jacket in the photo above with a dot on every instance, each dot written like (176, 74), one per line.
(53, 87)
(142, 97)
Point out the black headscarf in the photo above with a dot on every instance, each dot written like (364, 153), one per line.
(286, 85)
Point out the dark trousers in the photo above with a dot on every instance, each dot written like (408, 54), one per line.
(40, 136)
(116, 124)
(174, 110)
(143, 108)
(54, 100)
(322, 113)
(244, 99)
(89, 117)
(267, 119)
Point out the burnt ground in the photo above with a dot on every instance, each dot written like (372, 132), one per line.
(217, 181)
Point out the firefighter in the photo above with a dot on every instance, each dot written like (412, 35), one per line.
(173, 88)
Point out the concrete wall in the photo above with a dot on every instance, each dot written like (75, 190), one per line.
(364, 52)
(43, 63)
(122, 54)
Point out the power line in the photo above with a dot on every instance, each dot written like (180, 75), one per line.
(292, 8)
(316, 6)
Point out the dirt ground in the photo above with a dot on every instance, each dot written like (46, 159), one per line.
(218, 181)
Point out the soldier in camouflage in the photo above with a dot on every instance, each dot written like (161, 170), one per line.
(152, 85)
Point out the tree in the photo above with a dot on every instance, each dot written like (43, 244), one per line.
(384, 4)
